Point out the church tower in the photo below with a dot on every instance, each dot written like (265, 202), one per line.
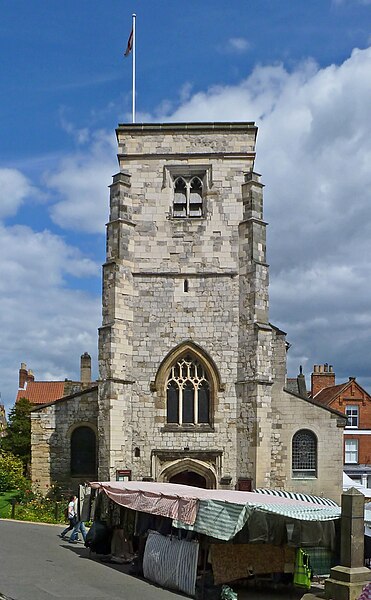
(192, 385)
(185, 346)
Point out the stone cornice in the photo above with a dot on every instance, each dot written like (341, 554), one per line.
(197, 275)
(222, 126)
(174, 454)
(187, 155)
(257, 380)
(120, 220)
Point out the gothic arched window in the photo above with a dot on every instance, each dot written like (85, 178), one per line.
(83, 452)
(195, 197)
(180, 198)
(188, 197)
(304, 454)
(188, 392)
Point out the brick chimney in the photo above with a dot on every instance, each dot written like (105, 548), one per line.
(22, 376)
(323, 376)
(25, 376)
(85, 369)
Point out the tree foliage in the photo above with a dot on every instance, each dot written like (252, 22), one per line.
(18, 433)
(11, 472)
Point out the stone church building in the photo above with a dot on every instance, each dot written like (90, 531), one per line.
(192, 375)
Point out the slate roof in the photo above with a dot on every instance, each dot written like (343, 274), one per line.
(297, 385)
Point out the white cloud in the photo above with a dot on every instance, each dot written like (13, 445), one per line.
(238, 44)
(14, 189)
(81, 184)
(43, 322)
(314, 151)
(46, 320)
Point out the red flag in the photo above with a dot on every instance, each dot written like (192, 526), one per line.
(130, 44)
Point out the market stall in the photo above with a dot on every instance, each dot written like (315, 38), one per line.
(182, 530)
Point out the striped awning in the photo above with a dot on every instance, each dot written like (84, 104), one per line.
(297, 496)
(223, 520)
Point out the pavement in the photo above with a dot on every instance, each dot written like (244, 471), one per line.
(35, 564)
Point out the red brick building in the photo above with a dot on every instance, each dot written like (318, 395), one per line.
(43, 392)
(351, 399)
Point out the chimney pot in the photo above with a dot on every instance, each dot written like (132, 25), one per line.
(323, 376)
(22, 376)
(85, 369)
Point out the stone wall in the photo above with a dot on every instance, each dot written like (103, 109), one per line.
(155, 253)
(51, 429)
(290, 413)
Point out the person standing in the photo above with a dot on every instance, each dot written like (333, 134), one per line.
(71, 515)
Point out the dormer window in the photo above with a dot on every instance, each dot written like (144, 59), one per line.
(188, 197)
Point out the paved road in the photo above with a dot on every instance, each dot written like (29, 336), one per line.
(35, 564)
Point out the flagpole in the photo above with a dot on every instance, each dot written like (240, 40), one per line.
(134, 17)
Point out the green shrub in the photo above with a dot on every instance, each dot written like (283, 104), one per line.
(39, 509)
(11, 472)
(6, 504)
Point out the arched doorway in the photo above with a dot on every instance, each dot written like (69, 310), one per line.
(83, 452)
(189, 471)
(189, 478)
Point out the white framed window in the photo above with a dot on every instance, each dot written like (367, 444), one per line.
(304, 454)
(351, 452)
(352, 415)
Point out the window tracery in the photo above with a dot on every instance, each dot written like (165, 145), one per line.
(188, 392)
(304, 454)
(188, 197)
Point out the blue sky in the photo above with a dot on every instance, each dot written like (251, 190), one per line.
(299, 69)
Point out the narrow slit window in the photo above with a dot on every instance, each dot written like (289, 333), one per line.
(185, 285)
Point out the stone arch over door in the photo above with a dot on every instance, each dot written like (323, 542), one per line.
(190, 465)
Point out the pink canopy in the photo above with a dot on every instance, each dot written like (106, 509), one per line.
(180, 502)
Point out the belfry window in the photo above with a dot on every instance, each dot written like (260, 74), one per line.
(188, 197)
(304, 454)
(188, 392)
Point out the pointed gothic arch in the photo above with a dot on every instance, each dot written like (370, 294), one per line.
(187, 383)
(190, 465)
